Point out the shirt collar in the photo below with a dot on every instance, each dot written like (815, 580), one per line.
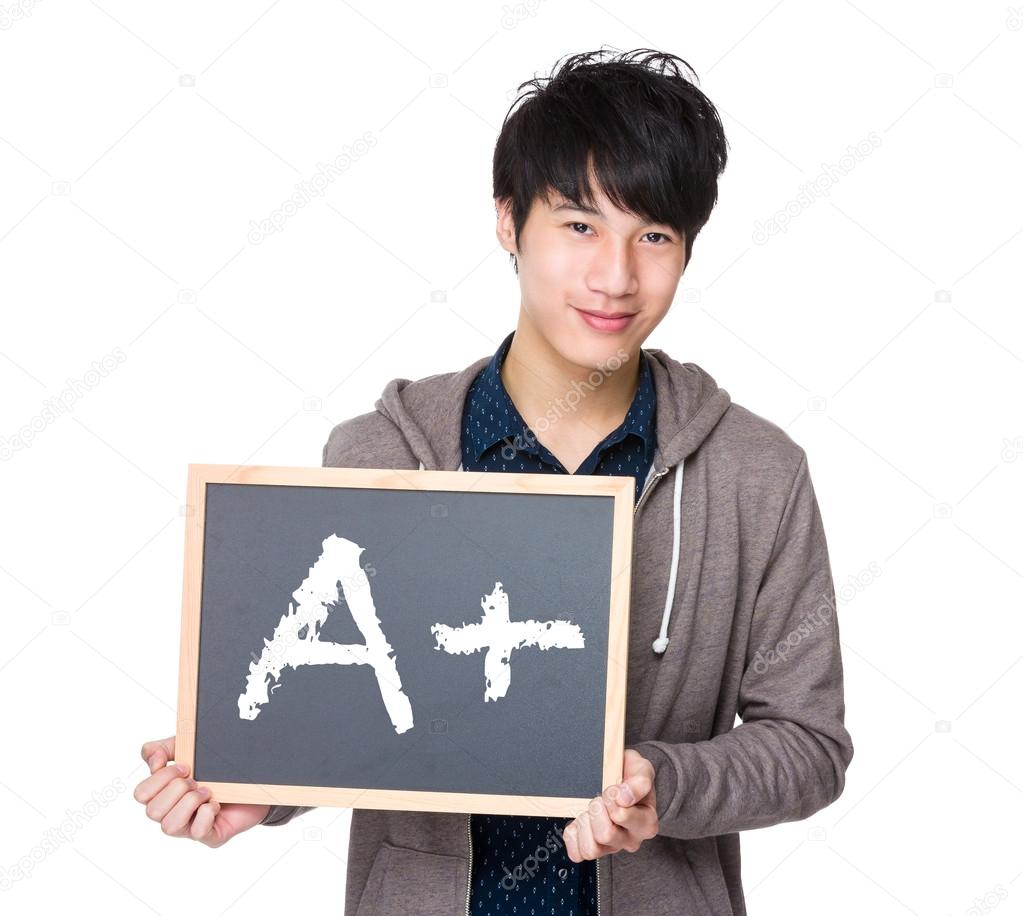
(506, 422)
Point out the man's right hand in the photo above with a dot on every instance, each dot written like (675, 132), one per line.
(172, 798)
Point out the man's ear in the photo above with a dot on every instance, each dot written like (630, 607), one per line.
(505, 225)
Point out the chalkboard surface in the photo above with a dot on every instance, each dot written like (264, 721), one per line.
(427, 640)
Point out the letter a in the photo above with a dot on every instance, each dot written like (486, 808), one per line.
(296, 638)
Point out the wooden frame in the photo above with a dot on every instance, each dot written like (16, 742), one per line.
(619, 488)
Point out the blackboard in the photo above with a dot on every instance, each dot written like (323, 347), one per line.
(336, 625)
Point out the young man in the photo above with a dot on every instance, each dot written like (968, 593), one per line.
(603, 177)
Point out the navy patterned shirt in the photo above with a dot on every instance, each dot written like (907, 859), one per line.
(496, 438)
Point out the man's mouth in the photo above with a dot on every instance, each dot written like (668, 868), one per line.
(606, 321)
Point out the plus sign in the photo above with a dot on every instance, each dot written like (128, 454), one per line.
(499, 636)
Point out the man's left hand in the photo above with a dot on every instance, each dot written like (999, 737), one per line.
(621, 817)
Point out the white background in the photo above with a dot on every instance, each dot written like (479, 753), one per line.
(882, 330)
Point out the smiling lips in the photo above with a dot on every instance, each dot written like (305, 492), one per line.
(606, 321)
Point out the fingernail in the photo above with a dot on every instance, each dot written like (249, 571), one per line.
(627, 797)
(182, 769)
(204, 791)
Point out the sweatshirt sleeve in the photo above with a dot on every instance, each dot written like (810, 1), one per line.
(788, 758)
(281, 814)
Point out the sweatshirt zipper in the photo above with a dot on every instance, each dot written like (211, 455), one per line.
(468, 879)
(598, 886)
(646, 489)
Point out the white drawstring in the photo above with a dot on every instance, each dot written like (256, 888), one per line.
(661, 643)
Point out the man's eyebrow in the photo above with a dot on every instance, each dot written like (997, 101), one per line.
(582, 208)
(594, 211)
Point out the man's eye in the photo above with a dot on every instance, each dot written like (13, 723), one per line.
(661, 236)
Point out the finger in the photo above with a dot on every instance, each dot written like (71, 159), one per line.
(640, 820)
(152, 785)
(637, 781)
(202, 823)
(178, 820)
(591, 822)
(570, 835)
(633, 789)
(157, 753)
(628, 817)
(607, 835)
(585, 844)
(164, 800)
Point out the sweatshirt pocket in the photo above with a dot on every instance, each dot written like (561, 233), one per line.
(410, 882)
(705, 877)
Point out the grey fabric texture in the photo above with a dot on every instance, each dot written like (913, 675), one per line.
(753, 634)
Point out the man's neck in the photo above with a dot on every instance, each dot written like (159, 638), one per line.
(562, 402)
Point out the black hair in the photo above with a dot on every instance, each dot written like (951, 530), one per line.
(655, 142)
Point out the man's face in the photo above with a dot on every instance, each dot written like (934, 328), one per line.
(606, 263)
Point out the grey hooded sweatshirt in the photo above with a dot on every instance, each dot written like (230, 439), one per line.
(732, 613)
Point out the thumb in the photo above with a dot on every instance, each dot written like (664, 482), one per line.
(637, 781)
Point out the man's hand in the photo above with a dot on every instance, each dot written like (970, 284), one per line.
(622, 817)
(185, 810)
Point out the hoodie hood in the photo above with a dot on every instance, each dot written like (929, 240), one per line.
(428, 413)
